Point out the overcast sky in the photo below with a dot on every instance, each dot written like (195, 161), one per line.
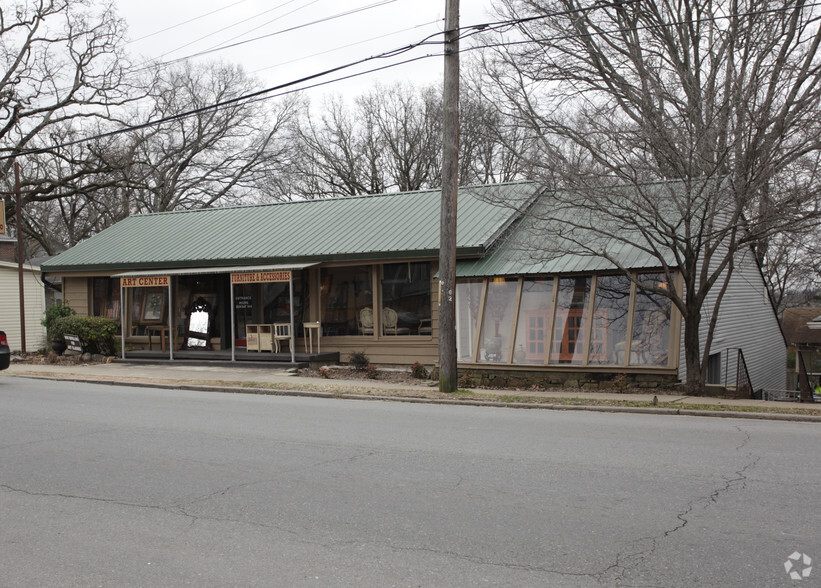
(158, 29)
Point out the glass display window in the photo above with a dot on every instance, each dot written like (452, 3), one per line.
(347, 300)
(532, 332)
(497, 327)
(468, 301)
(650, 340)
(405, 289)
(569, 324)
(106, 298)
(611, 307)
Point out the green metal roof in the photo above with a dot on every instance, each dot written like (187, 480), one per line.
(543, 241)
(400, 225)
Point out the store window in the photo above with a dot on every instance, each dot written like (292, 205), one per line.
(202, 291)
(650, 342)
(569, 325)
(468, 299)
(106, 297)
(608, 335)
(276, 300)
(405, 291)
(246, 304)
(534, 321)
(500, 309)
(347, 301)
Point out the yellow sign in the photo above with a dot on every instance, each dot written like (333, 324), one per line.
(145, 281)
(2, 217)
(259, 277)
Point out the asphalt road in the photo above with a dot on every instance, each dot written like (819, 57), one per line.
(118, 486)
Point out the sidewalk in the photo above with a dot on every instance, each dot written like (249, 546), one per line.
(265, 380)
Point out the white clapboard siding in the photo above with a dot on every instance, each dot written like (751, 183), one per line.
(35, 304)
(748, 321)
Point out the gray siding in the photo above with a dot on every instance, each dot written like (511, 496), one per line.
(747, 321)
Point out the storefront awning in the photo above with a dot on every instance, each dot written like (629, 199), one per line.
(214, 270)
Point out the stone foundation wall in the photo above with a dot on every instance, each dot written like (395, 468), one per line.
(543, 379)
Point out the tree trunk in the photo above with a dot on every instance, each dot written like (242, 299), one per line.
(692, 354)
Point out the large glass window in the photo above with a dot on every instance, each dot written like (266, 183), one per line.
(569, 325)
(276, 300)
(650, 342)
(468, 297)
(246, 303)
(347, 301)
(534, 320)
(106, 297)
(494, 344)
(610, 308)
(406, 298)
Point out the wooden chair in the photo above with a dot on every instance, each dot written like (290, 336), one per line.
(390, 322)
(282, 332)
(365, 321)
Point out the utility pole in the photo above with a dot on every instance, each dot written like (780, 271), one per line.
(450, 188)
(20, 255)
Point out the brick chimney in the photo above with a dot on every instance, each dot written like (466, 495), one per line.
(8, 249)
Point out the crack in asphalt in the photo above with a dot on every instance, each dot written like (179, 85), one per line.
(637, 558)
(57, 438)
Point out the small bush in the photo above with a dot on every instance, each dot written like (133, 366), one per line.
(54, 312)
(325, 372)
(96, 333)
(359, 361)
(466, 381)
(419, 371)
(372, 372)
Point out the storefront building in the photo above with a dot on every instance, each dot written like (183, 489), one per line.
(364, 271)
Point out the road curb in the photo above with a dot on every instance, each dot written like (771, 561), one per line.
(444, 401)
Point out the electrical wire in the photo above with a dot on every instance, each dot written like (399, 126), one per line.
(281, 31)
(265, 93)
(349, 45)
(185, 22)
(268, 93)
(255, 16)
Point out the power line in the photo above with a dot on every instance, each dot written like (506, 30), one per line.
(349, 45)
(255, 16)
(281, 31)
(267, 93)
(185, 22)
(259, 94)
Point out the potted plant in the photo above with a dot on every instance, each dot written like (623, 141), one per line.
(54, 312)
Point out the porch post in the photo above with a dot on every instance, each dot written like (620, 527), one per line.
(293, 335)
(122, 319)
(233, 324)
(170, 322)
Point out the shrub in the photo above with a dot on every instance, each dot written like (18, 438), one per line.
(372, 372)
(54, 312)
(419, 371)
(325, 372)
(466, 381)
(359, 361)
(96, 333)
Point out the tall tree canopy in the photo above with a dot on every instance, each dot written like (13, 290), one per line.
(721, 96)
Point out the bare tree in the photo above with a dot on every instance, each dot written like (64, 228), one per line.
(720, 97)
(793, 269)
(390, 139)
(216, 156)
(62, 67)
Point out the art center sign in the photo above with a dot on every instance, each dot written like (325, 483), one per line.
(261, 277)
(145, 281)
